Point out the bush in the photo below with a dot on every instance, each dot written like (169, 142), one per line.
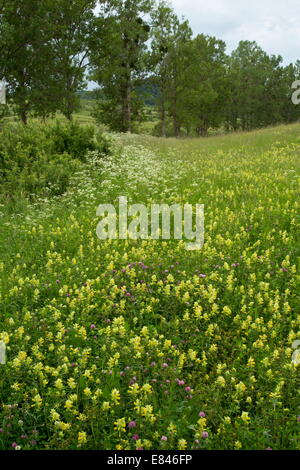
(38, 159)
(72, 139)
(45, 177)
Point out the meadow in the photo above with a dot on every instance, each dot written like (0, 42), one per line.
(124, 345)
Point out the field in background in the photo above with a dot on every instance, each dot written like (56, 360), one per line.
(139, 344)
(83, 116)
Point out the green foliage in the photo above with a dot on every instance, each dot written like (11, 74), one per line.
(201, 88)
(201, 102)
(39, 159)
(140, 54)
(170, 59)
(259, 88)
(44, 47)
(120, 65)
(71, 138)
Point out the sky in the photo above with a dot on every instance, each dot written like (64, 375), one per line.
(273, 24)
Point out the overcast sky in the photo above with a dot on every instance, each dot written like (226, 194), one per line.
(274, 24)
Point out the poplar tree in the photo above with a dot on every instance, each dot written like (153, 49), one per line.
(120, 61)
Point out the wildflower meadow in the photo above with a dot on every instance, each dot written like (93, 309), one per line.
(141, 344)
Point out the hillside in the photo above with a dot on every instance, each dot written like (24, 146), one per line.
(141, 344)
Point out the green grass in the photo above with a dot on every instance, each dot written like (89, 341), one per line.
(104, 333)
(83, 115)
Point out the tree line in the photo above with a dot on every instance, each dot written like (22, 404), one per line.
(133, 49)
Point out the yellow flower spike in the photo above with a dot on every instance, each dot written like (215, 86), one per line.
(120, 425)
(82, 438)
(115, 395)
(245, 417)
(182, 444)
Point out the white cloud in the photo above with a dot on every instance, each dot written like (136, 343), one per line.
(274, 24)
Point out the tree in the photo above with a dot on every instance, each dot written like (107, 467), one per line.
(288, 110)
(119, 61)
(256, 87)
(70, 31)
(167, 34)
(43, 53)
(206, 84)
(177, 60)
(23, 52)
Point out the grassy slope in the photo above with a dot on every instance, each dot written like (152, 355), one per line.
(231, 310)
(83, 116)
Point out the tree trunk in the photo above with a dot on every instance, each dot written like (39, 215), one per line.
(69, 107)
(127, 107)
(69, 112)
(202, 130)
(176, 125)
(23, 116)
(163, 119)
(70, 100)
(127, 97)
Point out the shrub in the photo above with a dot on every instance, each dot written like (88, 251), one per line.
(39, 158)
(71, 138)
